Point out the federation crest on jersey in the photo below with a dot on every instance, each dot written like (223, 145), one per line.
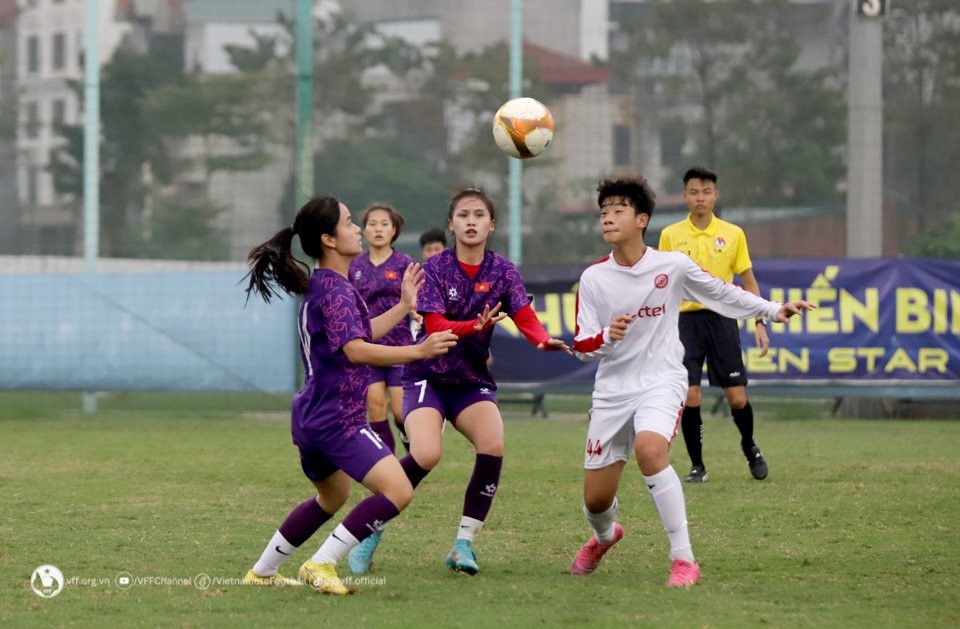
(391, 275)
(661, 280)
(720, 243)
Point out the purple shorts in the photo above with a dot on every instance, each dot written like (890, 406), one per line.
(355, 453)
(449, 402)
(390, 375)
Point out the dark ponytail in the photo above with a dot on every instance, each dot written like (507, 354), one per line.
(273, 266)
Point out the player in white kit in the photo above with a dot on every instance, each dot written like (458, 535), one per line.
(627, 310)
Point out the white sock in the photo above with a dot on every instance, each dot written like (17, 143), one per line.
(273, 555)
(603, 522)
(469, 528)
(667, 494)
(336, 547)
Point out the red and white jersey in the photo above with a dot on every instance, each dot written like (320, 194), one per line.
(652, 290)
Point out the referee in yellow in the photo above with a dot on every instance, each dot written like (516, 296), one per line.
(720, 248)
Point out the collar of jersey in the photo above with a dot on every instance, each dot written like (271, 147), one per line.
(710, 230)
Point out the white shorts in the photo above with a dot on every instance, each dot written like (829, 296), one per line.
(612, 430)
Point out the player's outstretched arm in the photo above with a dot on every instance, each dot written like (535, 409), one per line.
(360, 352)
(792, 308)
(552, 344)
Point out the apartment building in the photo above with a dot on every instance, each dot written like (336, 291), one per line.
(49, 54)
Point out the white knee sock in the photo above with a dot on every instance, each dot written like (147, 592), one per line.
(273, 555)
(603, 522)
(336, 547)
(469, 527)
(667, 494)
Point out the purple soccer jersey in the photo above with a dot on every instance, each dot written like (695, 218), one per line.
(449, 291)
(380, 288)
(333, 398)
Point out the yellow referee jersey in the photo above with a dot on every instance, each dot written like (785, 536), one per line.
(720, 249)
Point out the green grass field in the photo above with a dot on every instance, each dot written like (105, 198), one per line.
(857, 525)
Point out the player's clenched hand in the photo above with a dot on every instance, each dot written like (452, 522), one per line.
(791, 308)
(553, 344)
(489, 316)
(410, 285)
(438, 343)
(619, 325)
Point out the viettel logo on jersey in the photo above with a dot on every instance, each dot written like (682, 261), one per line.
(661, 280)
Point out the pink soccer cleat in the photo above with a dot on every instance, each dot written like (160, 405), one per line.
(683, 574)
(588, 558)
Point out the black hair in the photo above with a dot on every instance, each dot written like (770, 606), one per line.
(476, 193)
(434, 234)
(272, 264)
(395, 217)
(701, 173)
(636, 190)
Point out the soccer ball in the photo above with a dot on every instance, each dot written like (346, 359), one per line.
(523, 128)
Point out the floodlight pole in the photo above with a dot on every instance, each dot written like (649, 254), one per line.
(91, 154)
(91, 136)
(865, 130)
(515, 182)
(303, 53)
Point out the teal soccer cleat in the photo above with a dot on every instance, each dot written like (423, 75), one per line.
(361, 556)
(463, 558)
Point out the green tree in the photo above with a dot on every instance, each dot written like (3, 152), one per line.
(359, 173)
(921, 110)
(773, 132)
(150, 112)
(688, 51)
(782, 131)
(127, 142)
(942, 242)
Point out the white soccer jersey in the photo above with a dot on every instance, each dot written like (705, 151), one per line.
(652, 289)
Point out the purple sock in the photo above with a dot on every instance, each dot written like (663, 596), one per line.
(303, 522)
(369, 516)
(414, 472)
(383, 431)
(482, 486)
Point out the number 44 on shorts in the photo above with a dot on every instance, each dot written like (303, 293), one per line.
(594, 448)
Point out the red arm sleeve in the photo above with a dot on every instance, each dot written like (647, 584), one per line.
(530, 326)
(436, 322)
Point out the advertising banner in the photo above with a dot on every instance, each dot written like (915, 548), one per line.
(877, 320)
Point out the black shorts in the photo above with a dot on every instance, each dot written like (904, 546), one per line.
(708, 335)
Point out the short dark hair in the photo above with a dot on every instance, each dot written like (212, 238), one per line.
(476, 193)
(434, 234)
(701, 173)
(636, 190)
(395, 217)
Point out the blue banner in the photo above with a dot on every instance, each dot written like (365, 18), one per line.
(878, 320)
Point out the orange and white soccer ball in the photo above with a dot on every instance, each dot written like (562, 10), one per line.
(523, 128)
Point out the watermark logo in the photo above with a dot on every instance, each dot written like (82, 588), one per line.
(46, 581)
(124, 580)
